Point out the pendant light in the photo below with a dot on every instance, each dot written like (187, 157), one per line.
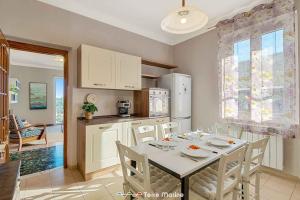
(184, 20)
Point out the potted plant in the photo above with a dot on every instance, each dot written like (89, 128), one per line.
(89, 109)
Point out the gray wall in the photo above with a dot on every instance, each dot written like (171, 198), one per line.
(29, 74)
(198, 56)
(33, 20)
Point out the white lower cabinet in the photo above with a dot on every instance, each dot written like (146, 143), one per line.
(97, 143)
(101, 150)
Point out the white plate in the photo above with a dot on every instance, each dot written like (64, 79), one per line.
(166, 143)
(218, 142)
(199, 153)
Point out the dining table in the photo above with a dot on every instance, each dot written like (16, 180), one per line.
(182, 166)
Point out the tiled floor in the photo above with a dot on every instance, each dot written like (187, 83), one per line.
(68, 184)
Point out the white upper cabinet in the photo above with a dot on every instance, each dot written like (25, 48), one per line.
(128, 72)
(101, 68)
(98, 67)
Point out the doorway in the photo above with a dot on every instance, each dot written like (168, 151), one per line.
(56, 128)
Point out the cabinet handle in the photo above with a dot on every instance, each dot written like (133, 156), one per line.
(136, 123)
(129, 86)
(99, 84)
(101, 127)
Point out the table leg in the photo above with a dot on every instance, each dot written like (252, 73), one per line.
(185, 188)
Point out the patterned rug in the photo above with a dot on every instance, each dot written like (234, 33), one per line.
(39, 159)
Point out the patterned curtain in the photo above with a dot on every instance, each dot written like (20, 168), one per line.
(258, 79)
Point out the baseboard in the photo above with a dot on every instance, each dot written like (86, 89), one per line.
(100, 172)
(53, 124)
(280, 173)
(72, 167)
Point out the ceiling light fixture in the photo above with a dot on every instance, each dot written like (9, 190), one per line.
(184, 20)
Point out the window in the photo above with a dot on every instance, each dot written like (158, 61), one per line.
(258, 69)
(59, 100)
(253, 84)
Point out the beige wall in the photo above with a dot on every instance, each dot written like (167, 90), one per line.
(26, 75)
(198, 56)
(36, 21)
(33, 20)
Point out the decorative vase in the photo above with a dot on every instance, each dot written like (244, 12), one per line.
(88, 115)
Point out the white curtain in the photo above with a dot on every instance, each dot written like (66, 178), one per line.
(257, 69)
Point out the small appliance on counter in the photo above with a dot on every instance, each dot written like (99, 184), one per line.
(151, 102)
(123, 106)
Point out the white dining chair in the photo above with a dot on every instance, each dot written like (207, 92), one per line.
(214, 184)
(169, 128)
(145, 177)
(144, 133)
(252, 164)
(231, 130)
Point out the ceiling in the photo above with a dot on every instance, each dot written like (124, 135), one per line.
(36, 60)
(144, 16)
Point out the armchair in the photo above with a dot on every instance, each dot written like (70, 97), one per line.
(21, 134)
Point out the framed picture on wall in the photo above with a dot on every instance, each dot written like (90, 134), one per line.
(37, 96)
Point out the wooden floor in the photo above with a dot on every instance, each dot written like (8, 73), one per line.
(68, 184)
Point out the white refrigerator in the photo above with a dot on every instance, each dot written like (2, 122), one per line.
(180, 86)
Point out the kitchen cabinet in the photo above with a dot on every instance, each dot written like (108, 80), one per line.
(106, 69)
(128, 72)
(96, 143)
(101, 150)
(97, 67)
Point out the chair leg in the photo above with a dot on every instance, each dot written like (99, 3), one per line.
(246, 190)
(235, 193)
(257, 186)
(20, 144)
(46, 140)
(126, 191)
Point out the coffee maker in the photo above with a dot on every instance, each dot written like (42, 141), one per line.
(123, 106)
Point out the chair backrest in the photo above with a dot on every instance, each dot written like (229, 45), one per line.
(140, 181)
(235, 131)
(234, 173)
(254, 156)
(144, 133)
(220, 128)
(15, 122)
(229, 129)
(169, 128)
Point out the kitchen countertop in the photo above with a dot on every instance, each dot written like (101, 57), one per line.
(112, 119)
(9, 173)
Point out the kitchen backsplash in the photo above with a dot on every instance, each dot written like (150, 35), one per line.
(106, 100)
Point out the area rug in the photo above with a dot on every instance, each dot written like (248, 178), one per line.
(37, 160)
